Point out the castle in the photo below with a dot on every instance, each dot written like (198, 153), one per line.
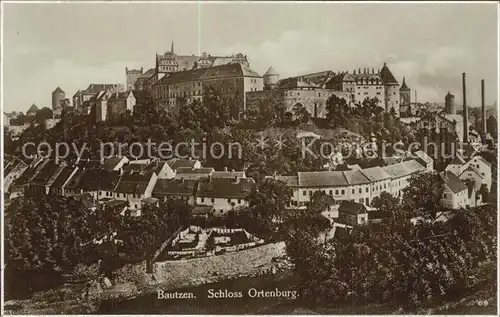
(313, 90)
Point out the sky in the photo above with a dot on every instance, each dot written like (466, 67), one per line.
(73, 45)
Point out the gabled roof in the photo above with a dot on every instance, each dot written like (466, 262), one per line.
(452, 181)
(95, 88)
(77, 93)
(321, 179)
(63, 177)
(352, 208)
(98, 179)
(133, 183)
(111, 163)
(225, 188)
(457, 160)
(187, 170)
(355, 177)
(119, 96)
(175, 187)
(404, 168)
(426, 158)
(271, 72)
(32, 109)
(45, 175)
(387, 76)
(148, 74)
(58, 90)
(175, 163)
(375, 174)
(473, 170)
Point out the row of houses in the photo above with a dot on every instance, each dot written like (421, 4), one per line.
(137, 183)
(363, 185)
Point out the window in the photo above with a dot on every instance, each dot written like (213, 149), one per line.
(330, 192)
(353, 190)
(367, 189)
(444, 195)
(202, 199)
(310, 193)
(239, 201)
(229, 200)
(360, 191)
(336, 192)
(213, 200)
(343, 192)
(304, 193)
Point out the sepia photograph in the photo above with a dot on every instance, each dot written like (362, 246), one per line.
(249, 157)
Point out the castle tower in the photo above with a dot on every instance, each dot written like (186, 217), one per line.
(58, 96)
(449, 102)
(404, 94)
(271, 78)
(391, 86)
(131, 77)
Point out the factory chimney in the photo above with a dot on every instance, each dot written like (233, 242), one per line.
(464, 111)
(483, 114)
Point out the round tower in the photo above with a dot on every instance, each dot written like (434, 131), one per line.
(58, 95)
(271, 78)
(449, 102)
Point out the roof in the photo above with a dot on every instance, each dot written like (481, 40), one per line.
(133, 183)
(188, 170)
(221, 71)
(62, 177)
(185, 187)
(32, 109)
(224, 187)
(404, 168)
(120, 96)
(473, 170)
(77, 93)
(271, 72)
(319, 179)
(45, 175)
(175, 163)
(294, 82)
(387, 76)
(58, 90)
(452, 181)
(228, 174)
(148, 74)
(355, 177)
(457, 160)
(426, 158)
(375, 174)
(95, 88)
(352, 208)
(111, 163)
(98, 179)
(404, 87)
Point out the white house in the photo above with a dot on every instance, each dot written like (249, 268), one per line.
(133, 187)
(223, 194)
(455, 194)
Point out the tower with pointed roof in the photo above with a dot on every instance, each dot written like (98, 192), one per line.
(404, 98)
(271, 78)
(58, 96)
(391, 85)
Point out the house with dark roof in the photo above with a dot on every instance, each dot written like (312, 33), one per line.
(455, 193)
(193, 173)
(59, 185)
(477, 168)
(224, 194)
(352, 213)
(114, 163)
(41, 181)
(133, 187)
(184, 189)
(12, 170)
(19, 184)
(176, 163)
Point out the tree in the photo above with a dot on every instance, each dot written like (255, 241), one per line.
(423, 194)
(301, 114)
(492, 126)
(483, 191)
